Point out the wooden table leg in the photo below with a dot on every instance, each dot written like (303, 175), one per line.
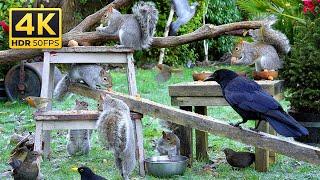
(47, 91)
(262, 155)
(133, 91)
(201, 138)
(185, 136)
(272, 154)
(136, 118)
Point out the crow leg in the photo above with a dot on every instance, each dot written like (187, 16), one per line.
(257, 126)
(238, 123)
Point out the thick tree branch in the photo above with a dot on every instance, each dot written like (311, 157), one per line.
(94, 18)
(207, 31)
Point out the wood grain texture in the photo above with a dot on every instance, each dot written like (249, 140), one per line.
(88, 49)
(280, 145)
(201, 138)
(262, 155)
(88, 57)
(186, 138)
(212, 88)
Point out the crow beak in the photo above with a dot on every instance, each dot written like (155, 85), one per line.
(75, 169)
(210, 78)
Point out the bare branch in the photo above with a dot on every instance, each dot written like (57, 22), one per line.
(207, 31)
(94, 18)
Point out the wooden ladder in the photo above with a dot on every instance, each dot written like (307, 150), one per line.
(84, 54)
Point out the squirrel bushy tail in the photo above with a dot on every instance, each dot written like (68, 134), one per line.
(147, 15)
(61, 88)
(117, 133)
(268, 35)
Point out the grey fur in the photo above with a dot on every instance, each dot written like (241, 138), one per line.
(93, 75)
(265, 50)
(164, 147)
(116, 132)
(184, 13)
(79, 140)
(135, 30)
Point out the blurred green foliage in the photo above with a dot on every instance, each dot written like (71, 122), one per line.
(222, 12)
(301, 68)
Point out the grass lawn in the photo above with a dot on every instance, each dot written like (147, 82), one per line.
(16, 117)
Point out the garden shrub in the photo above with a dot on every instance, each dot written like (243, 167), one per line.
(301, 69)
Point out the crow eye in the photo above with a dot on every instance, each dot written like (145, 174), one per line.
(81, 170)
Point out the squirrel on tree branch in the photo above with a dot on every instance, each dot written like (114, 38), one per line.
(134, 30)
(268, 45)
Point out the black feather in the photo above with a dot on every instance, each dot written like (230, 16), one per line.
(249, 100)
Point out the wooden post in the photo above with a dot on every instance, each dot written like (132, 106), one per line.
(133, 91)
(185, 136)
(201, 138)
(46, 92)
(262, 155)
(272, 154)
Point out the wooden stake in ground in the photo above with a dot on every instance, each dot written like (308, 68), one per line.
(165, 34)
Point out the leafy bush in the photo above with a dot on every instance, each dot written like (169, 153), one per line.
(301, 69)
(222, 12)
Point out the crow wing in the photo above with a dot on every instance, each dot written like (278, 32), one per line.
(249, 96)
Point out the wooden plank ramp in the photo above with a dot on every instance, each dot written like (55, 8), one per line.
(211, 125)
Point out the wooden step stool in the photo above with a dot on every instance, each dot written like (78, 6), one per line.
(84, 54)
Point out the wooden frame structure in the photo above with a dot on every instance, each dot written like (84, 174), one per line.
(84, 54)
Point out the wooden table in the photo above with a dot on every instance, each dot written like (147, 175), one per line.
(202, 94)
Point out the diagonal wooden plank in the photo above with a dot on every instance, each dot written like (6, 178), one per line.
(280, 145)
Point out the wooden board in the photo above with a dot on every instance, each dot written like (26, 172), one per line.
(83, 57)
(94, 49)
(201, 138)
(212, 88)
(198, 101)
(67, 115)
(262, 140)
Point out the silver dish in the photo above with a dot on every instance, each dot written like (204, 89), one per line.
(163, 166)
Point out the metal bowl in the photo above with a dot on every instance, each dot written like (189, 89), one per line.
(163, 166)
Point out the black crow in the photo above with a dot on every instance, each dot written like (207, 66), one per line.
(249, 100)
(239, 159)
(87, 174)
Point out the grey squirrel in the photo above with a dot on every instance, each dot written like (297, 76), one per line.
(79, 139)
(93, 75)
(135, 30)
(184, 13)
(265, 50)
(168, 144)
(116, 132)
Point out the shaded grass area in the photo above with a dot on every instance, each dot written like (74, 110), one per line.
(17, 117)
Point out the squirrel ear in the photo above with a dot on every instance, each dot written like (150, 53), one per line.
(109, 9)
(77, 101)
(102, 96)
(164, 134)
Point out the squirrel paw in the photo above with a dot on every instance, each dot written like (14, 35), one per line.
(99, 29)
(119, 46)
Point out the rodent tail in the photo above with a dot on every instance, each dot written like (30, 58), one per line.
(147, 15)
(268, 35)
(61, 88)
